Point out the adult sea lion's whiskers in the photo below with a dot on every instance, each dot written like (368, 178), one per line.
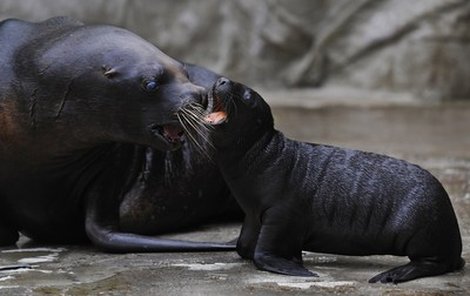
(190, 124)
(197, 112)
(197, 124)
(192, 140)
(197, 117)
(196, 121)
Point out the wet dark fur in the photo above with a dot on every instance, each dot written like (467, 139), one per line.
(82, 156)
(303, 196)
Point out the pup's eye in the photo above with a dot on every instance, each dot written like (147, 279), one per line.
(247, 95)
(150, 85)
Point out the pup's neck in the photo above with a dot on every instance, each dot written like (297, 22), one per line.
(243, 160)
(243, 168)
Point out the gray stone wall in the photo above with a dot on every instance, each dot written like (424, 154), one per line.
(421, 47)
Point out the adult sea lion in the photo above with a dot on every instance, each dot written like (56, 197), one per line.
(89, 134)
(302, 196)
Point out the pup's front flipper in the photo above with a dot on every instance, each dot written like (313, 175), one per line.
(280, 241)
(276, 264)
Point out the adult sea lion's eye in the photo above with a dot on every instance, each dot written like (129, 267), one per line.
(150, 85)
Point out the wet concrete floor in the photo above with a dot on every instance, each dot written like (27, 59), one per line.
(435, 136)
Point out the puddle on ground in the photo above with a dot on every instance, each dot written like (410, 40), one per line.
(30, 256)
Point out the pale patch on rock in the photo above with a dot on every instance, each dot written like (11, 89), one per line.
(208, 267)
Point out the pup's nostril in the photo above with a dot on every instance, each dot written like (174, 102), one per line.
(222, 81)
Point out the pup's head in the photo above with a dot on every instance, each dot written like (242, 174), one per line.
(239, 115)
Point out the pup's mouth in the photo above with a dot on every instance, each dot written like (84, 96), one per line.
(172, 133)
(215, 111)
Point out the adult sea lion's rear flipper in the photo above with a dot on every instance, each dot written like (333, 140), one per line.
(120, 242)
(102, 228)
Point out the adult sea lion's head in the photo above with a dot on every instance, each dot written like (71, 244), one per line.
(238, 114)
(104, 83)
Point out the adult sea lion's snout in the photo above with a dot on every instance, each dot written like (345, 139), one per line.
(171, 131)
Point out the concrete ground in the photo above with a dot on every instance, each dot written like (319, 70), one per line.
(435, 136)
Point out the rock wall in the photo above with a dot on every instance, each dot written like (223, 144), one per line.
(421, 47)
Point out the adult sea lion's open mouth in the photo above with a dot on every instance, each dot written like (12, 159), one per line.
(172, 133)
(215, 111)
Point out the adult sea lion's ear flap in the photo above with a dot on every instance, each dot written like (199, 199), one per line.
(109, 72)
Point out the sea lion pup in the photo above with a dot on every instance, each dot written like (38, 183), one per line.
(302, 196)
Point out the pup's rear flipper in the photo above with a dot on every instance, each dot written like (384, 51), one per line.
(423, 267)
